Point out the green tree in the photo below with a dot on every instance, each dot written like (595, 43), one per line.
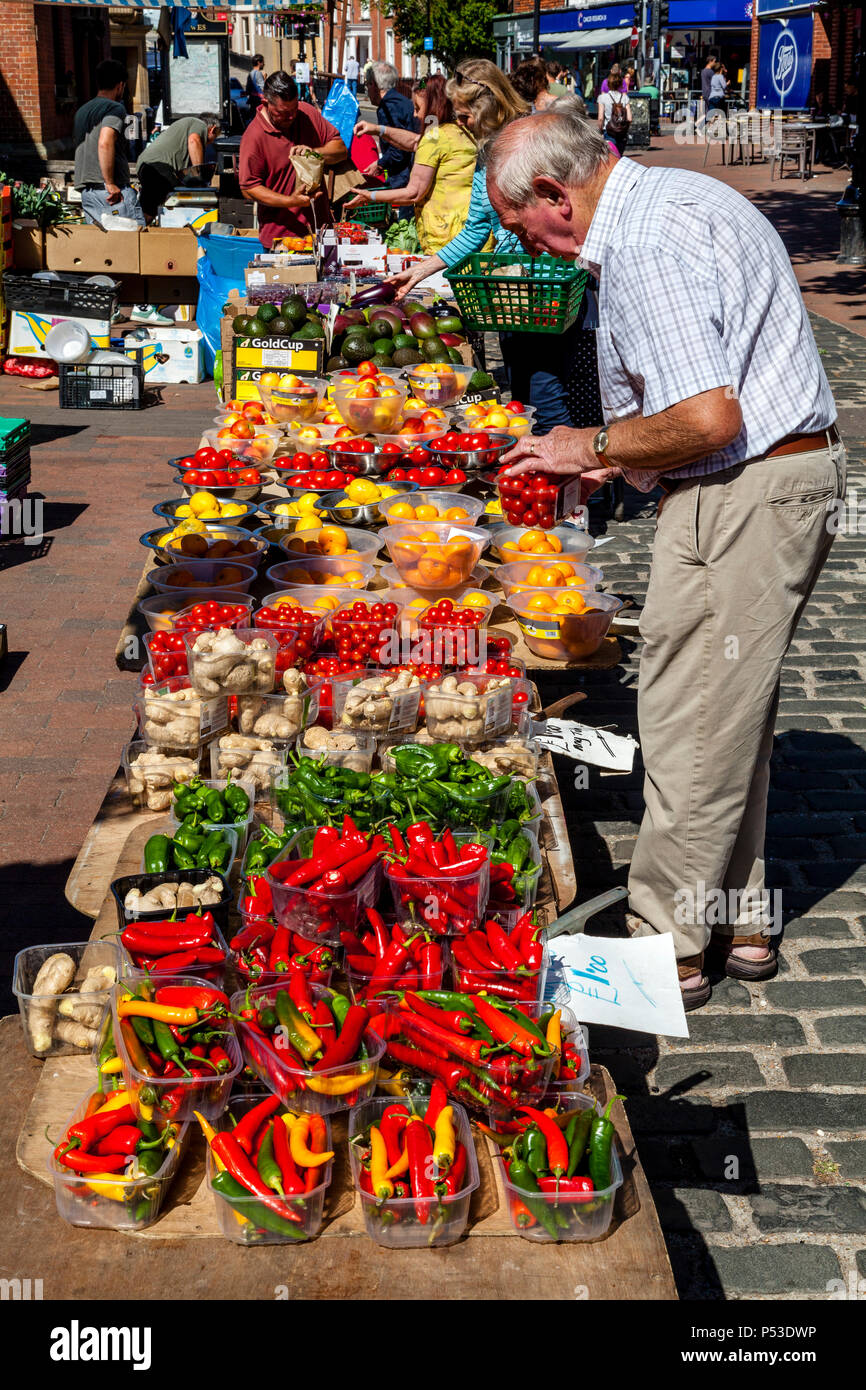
(459, 30)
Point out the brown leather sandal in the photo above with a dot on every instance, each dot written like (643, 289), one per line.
(697, 995)
(739, 967)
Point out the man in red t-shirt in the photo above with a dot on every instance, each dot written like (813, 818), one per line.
(281, 127)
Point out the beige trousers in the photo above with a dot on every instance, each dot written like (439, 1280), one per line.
(735, 557)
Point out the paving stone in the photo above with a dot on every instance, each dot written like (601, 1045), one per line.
(794, 1110)
(712, 1070)
(691, 1209)
(815, 994)
(654, 1115)
(824, 1211)
(730, 993)
(827, 1069)
(829, 928)
(775, 1269)
(845, 1030)
(838, 960)
(850, 1156)
(737, 1030)
(740, 1158)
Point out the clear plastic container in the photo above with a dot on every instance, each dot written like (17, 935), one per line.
(441, 388)
(514, 576)
(195, 575)
(558, 1089)
(250, 671)
(393, 577)
(319, 599)
(150, 773)
(510, 754)
(120, 887)
(228, 833)
(443, 563)
(339, 571)
(584, 1216)
(394, 1222)
(255, 761)
(212, 971)
(532, 985)
(380, 712)
(252, 453)
(320, 917)
(241, 827)
(238, 1217)
(473, 887)
(171, 716)
(149, 1095)
(44, 1013)
(444, 502)
(373, 415)
(291, 1082)
(370, 639)
(358, 757)
(115, 1203)
(247, 548)
(470, 715)
(565, 638)
(288, 404)
(574, 543)
(358, 981)
(360, 545)
(160, 611)
(279, 717)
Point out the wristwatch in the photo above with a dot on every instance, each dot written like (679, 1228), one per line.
(600, 443)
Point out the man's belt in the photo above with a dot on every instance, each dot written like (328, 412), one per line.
(791, 444)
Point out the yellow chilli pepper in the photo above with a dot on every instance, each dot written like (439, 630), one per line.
(401, 1166)
(112, 1066)
(165, 1013)
(554, 1038)
(107, 1185)
(444, 1138)
(300, 1150)
(115, 1101)
(379, 1181)
(393, 1083)
(338, 1085)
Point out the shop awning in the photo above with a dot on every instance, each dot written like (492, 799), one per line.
(595, 38)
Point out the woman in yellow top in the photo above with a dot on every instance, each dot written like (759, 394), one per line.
(440, 184)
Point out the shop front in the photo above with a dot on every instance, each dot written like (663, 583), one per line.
(514, 36)
(589, 41)
(699, 29)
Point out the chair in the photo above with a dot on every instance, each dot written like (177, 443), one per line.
(793, 145)
(720, 130)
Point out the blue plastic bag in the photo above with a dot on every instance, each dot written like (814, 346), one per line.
(213, 291)
(342, 110)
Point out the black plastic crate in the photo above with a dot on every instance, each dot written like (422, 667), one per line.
(66, 296)
(106, 386)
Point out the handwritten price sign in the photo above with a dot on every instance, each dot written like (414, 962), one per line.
(626, 984)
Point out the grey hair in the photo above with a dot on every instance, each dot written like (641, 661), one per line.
(569, 105)
(385, 76)
(211, 119)
(549, 144)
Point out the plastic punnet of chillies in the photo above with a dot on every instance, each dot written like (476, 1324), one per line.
(176, 1037)
(112, 1149)
(484, 1050)
(441, 883)
(265, 951)
(202, 807)
(385, 957)
(271, 1166)
(413, 1164)
(505, 963)
(170, 947)
(309, 1042)
(319, 893)
(559, 1167)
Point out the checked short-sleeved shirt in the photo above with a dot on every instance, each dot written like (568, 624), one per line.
(696, 292)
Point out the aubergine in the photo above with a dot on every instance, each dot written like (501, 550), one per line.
(377, 293)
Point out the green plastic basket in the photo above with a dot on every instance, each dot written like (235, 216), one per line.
(544, 297)
(371, 214)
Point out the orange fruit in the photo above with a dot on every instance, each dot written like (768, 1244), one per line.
(574, 581)
(532, 540)
(564, 568)
(406, 552)
(535, 576)
(432, 571)
(402, 511)
(552, 578)
(286, 602)
(460, 548)
(332, 540)
(297, 575)
(474, 600)
(426, 512)
(428, 537)
(455, 514)
(573, 602)
(540, 603)
(553, 543)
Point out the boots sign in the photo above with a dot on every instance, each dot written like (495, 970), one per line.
(785, 63)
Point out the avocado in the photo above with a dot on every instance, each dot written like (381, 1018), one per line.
(256, 328)
(454, 356)
(381, 359)
(432, 348)
(240, 325)
(406, 357)
(311, 329)
(280, 326)
(266, 312)
(480, 381)
(357, 349)
(405, 340)
(384, 347)
(294, 309)
(336, 363)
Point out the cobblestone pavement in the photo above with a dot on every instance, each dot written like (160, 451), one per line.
(773, 1075)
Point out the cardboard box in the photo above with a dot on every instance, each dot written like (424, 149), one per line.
(28, 247)
(168, 251)
(182, 349)
(285, 277)
(187, 216)
(73, 246)
(28, 330)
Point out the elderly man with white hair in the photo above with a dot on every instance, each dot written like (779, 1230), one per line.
(711, 388)
(396, 111)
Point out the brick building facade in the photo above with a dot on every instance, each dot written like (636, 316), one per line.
(361, 29)
(836, 34)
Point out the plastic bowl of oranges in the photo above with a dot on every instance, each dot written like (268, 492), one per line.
(372, 406)
(323, 570)
(566, 624)
(432, 506)
(438, 383)
(554, 573)
(295, 398)
(434, 555)
(332, 541)
(532, 543)
(201, 574)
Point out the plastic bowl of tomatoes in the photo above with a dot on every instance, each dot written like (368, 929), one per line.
(166, 651)
(251, 450)
(368, 406)
(564, 624)
(470, 450)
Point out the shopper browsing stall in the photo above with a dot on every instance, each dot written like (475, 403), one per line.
(714, 389)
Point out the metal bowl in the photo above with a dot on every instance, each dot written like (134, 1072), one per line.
(468, 459)
(246, 492)
(169, 511)
(372, 464)
(357, 513)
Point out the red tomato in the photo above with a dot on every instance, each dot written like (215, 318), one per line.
(391, 449)
(397, 475)
(205, 455)
(429, 476)
(319, 460)
(454, 475)
(419, 454)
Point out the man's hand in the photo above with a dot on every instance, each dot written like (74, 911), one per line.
(562, 451)
(301, 149)
(372, 171)
(296, 200)
(367, 128)
(362, 196)
(113, 193)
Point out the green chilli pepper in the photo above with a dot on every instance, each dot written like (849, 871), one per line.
(156, 854)
(601, 1136)
(536, 1150)
(260, 1215)
(266, 1163)
(522, 1177)
(576, 1135)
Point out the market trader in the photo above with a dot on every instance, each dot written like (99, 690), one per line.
(101, 163)
(712, 388)
(178, 148)
(281, 127)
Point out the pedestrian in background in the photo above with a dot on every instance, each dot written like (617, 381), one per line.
(718, 88)
(101, 160)
(392, 109)
(614, 112)
(530, 81)
(256, 82)
(616, 71)
(351, 73)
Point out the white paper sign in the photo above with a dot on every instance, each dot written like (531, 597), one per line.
(625, 984)
(588, 745)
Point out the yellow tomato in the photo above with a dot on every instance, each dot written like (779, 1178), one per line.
(540, 603)
(474, 599)
(362, 490)
(426, 512)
